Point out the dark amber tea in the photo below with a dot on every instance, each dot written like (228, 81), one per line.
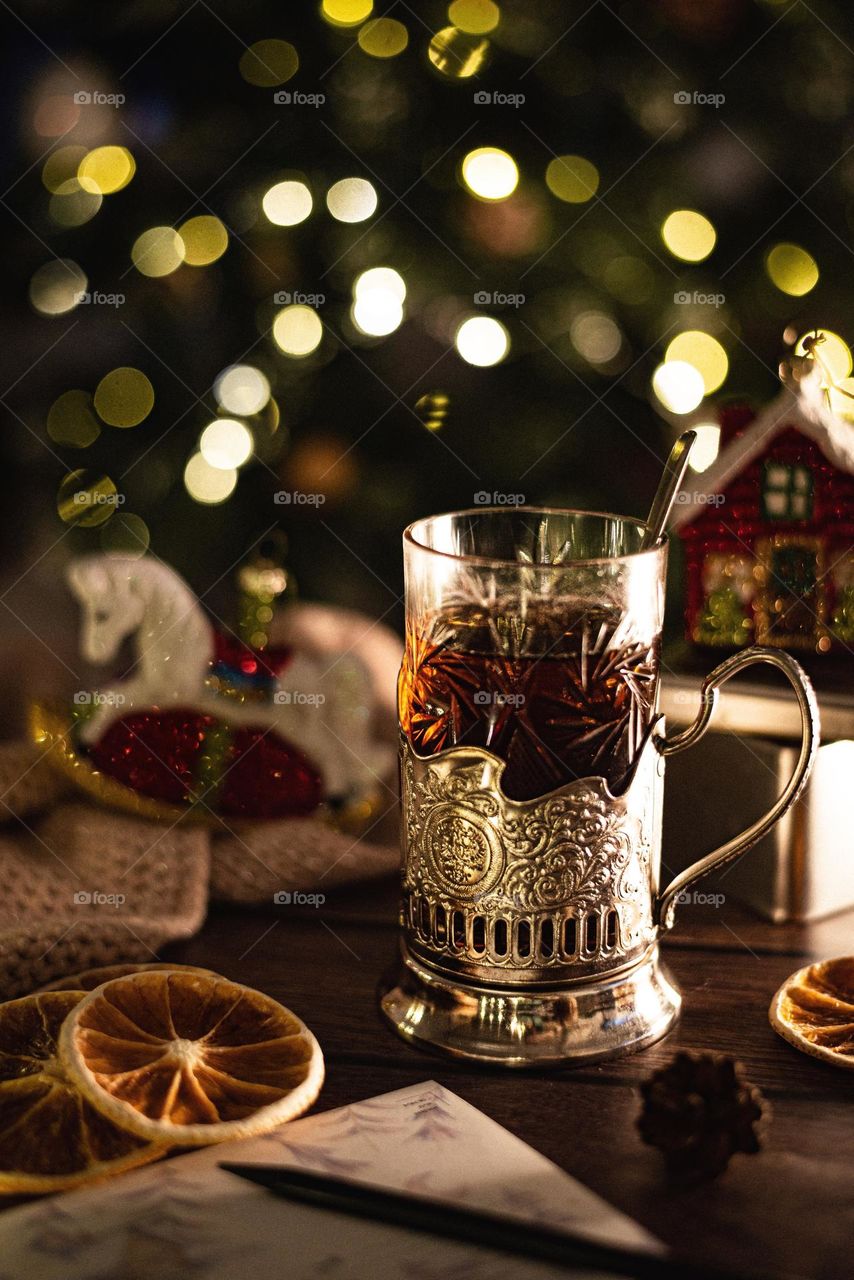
(559, 695)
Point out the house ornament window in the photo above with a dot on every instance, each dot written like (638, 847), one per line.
(787, 492)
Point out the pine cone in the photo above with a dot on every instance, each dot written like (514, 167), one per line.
(699, 1111)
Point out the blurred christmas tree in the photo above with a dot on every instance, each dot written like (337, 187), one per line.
(332, 269)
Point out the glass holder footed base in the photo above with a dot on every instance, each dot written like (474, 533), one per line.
(582, 1021)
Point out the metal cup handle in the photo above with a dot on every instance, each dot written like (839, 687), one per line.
(810, 727)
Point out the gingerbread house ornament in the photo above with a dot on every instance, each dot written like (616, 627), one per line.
(768, 529)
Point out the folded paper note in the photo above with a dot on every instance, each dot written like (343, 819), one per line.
(187, 1219)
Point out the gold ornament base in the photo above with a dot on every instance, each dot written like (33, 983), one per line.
(52, 730)
(584, 1021)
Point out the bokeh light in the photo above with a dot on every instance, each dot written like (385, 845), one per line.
(382, 280)
(572, 178)
(322, 463)
(383, 37)
(106, 170)
(56, 115)
(457, 54)
(705, 353)
(346, 13)
(706, 447)
(351, 200)
(833, 353)
(124, 397)
(126, 535)
(243, 389)
(482, 340)
(490, 173)
(379, 294)
(629, 279)
(688, 235)
(86, 498)
(268, 63)
(207, 484)
(205, 239)
(71, 422)
(596, 336)
(287, 203)
(432, 409)
(475, 17)
(226, 443)
(297, 330)
(158, 251)
(72, 207)
(678, 385)
(57, 287)
(59, 172)
(377, 313)
(792, 269)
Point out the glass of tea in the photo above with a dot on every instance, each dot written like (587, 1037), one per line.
(532, 770)
(535, 635)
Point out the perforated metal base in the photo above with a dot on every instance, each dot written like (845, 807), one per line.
(579, 1022)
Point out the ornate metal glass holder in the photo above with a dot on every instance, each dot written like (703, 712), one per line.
(531, 927)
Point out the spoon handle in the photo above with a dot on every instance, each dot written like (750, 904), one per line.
(668, 487)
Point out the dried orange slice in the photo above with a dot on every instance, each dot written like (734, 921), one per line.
(190, 1058)
(51, 1138)
(814, 1010)
(89, 979)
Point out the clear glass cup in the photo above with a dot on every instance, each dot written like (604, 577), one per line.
(532, 784)
(536, 635)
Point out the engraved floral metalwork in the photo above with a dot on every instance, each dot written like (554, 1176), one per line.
(564, 880)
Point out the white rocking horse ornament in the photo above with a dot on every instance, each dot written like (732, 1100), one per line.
(321, 706)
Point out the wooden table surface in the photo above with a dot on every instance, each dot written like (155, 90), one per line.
(789, 1209)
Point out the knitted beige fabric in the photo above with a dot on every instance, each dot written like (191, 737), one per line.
(85, 886)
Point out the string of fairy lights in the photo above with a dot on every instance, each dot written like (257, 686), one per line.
(80, 181)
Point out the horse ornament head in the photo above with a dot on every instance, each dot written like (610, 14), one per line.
(112, 606)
